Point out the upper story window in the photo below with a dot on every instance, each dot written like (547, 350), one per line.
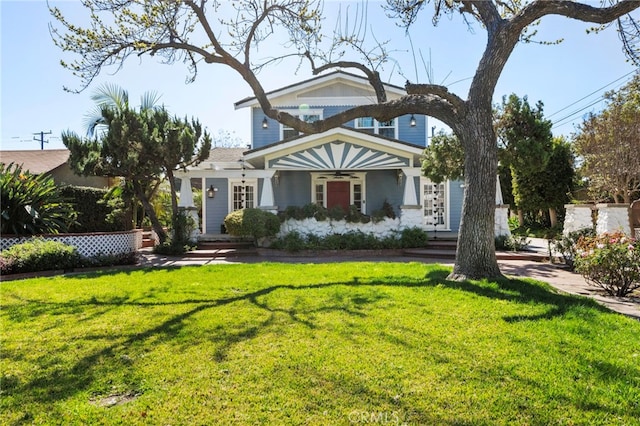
(310, 116)
(382, 128)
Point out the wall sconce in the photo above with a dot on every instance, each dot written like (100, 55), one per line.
(276, 178)
(399, 177)
(412, 121)
(211, 192)
(265, 123)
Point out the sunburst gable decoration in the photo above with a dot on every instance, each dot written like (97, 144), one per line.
(338, 155)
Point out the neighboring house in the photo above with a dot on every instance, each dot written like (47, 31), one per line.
(362, 164)
(55, 163)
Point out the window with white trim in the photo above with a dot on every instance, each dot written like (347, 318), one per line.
(373, 126)
(435, 205)
(310, 116)
(242, 195)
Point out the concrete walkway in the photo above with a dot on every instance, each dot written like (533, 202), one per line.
(554, 274)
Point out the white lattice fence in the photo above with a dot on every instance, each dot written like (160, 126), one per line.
(104, 243)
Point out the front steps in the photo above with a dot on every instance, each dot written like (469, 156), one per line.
(222, 246)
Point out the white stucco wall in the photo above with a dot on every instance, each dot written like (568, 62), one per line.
(612, 218)
(578, 217)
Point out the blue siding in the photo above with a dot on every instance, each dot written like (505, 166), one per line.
(414, 135)
(382, 185)
(456, 192)
(216, 208)
(293, 189)
(262, 137)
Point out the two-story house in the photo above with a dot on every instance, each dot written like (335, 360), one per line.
(364, 163)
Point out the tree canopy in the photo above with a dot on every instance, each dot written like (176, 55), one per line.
(609, 146)
(227, 33)
(144, 146)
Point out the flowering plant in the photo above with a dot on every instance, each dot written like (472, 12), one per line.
(610, 261)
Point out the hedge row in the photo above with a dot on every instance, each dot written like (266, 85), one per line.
(92, 208)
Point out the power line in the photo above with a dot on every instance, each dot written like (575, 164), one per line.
(567, 118)
(592, 93)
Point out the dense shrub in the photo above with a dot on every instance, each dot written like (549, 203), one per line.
(180, 241)
(254, 223)
(39, 255)
(32, 204)
(413, 237)
(511, 242)
(95, 211)
(566, 245)
(354, 240)
(610, 261)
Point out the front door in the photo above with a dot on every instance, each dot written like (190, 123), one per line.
(338, 194)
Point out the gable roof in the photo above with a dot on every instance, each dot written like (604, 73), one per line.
(312, 83)
(36, 161)
(265, 156)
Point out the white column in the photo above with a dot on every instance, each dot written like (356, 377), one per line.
(267, 199)
(409, 197)
(186, 195)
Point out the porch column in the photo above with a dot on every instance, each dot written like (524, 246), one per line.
(185, 204)
(267, 199)
(186, 195)
(409, 197)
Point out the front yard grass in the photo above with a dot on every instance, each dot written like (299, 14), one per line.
(326, 344)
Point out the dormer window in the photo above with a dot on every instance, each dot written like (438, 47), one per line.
(310, 116)
(373, 126)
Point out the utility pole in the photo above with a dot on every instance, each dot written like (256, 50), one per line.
(42, 141)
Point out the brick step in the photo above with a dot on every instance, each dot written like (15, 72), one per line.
(442, 245)
(225, 245)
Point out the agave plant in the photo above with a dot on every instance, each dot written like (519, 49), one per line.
(32, 204)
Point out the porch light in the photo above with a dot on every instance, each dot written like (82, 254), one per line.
(412, 121)
(211, 192)
(265, 123)
(399, 176)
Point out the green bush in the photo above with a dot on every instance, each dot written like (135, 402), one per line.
(32, 204)
(354, 240)
(95, 211)
(336, 213)
(566, 245)
(610, 261)
(511, 242)
(292, 242)
(413, 237)
(254, 223)
(38, 254)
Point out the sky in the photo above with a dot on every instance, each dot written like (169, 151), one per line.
(569, 78)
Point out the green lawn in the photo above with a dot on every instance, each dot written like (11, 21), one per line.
(328, 344)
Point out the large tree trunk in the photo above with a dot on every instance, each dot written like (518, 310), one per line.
(476, 254)
(148, 208)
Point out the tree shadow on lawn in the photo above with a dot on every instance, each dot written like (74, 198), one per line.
(62, 382)
(521, 291)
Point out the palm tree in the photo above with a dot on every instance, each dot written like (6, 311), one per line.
(115, 97)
